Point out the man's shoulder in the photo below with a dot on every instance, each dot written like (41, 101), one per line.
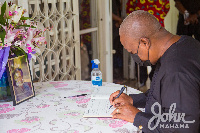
(185, 49)
(188, 40)
(182, 56)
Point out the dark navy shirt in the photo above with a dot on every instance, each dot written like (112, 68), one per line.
(176, 81)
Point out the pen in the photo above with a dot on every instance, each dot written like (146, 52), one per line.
(121, 91)
(77, 95)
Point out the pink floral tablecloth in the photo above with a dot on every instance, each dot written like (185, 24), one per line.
(50, 111)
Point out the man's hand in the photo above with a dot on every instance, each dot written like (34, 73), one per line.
(125, 112)
(119, 21)
(123, 99)
(192, 19)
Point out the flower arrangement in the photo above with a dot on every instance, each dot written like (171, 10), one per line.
(16, 36)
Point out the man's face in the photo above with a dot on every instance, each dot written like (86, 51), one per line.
(128, 44)
(133, 46)
(18, 77)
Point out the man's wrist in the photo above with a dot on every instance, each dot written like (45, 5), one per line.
(186, 14)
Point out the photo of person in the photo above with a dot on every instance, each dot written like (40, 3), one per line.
(22, 87)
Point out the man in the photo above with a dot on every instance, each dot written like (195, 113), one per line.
(172, 102)
(158, 8)
(189, 17)
(22, 90)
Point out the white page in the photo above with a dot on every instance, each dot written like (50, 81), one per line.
(99, 104)
(98, 108)
(104, 92)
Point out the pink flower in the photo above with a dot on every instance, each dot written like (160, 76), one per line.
(30, 119)
(83, 101)
(73, 114)
(56, 82)
(9, 10)
(119, 123)
(43, 106)
(10, 13)
(22, 130)
(6, 108)
(105, 118)
(60, 85)
(29, 49)
(19, 34)
(114, 123)
(11, 34)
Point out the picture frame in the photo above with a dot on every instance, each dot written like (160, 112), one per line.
(20, 80)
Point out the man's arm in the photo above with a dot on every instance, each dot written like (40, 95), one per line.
(183, 91)
(118, 19)
(179, 6)
(139, 100)
(192, 18)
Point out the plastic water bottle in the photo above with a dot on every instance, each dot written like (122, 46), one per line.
(96, 75)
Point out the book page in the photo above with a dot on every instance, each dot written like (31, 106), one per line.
(98, 108)
(103, 92)
(99, 104)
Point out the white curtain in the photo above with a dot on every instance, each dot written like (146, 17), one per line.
(172, 18)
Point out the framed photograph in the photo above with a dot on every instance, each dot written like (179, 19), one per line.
(20, 81)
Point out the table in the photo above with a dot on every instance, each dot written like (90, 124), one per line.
(51, 111)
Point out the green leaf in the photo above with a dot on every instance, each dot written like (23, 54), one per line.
(2, 35)
(2, 21)
(19, 52)
(24, 18)
(3, 9)
(25, 26)
(22, 50)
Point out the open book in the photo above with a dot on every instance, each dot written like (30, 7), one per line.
(98, 108)
(99, 104)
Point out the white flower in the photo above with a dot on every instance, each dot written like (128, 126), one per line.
(9, 38)
(13, 12)
(37, 50)
(17, 43)
(9, 10)
(17, 14)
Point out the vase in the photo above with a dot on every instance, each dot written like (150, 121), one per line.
(5, 94)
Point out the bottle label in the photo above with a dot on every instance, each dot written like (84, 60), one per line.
(96, 80)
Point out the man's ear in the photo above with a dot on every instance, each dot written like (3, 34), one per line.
(146, 42)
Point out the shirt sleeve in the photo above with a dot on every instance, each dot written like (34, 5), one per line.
(183, 91)
(139, 100)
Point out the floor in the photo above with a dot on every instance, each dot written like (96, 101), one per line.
(133, 84)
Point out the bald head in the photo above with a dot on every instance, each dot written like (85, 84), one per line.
(139, 24)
